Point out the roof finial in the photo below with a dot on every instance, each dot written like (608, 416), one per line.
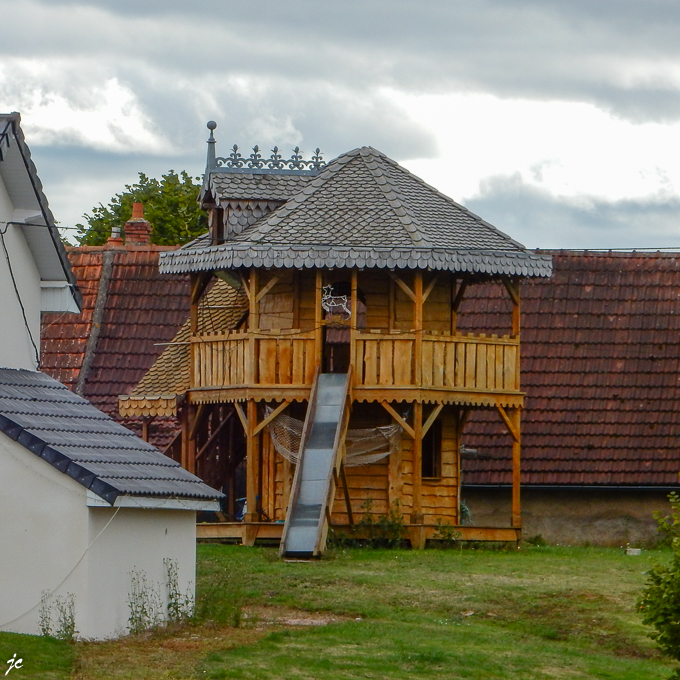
(211, 163)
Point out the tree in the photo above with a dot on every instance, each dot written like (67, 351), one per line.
(660, 601)
(171, 206)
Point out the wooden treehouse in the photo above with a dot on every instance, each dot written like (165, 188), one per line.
(322, 360)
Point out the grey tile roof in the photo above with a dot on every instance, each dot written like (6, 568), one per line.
(365, 210)
(228, 184)
(83, 442)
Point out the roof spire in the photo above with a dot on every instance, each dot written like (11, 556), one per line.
(211, 163)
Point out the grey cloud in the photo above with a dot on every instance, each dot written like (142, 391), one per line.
(554, 49)
(540, 220)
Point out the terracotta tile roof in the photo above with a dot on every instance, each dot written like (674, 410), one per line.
(142, 309)
(222, 308)
(601, 371)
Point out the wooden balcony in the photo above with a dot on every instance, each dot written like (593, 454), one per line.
(471, 369)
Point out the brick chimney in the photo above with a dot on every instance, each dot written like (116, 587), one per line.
(137, 229)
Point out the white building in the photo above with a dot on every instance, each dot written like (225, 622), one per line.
(85, 505)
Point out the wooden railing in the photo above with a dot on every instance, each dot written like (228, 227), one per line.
(463, 362)
(284, 358)
(471, 362)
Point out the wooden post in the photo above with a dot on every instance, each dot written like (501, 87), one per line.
(353, 322)
(192, 417)
(318, 319)
(231, 481)
(184, 421)
(512, 286)
(516, 451)
(416, 512)
(252, 462)
(253, 327)
(418, 322)
(296, 298)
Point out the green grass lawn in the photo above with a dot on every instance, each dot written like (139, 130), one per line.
(545, 612)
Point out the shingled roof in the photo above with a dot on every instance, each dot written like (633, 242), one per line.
(363, 210)
(79, 440)
(104, 354)
(601, 371)
(221, 309)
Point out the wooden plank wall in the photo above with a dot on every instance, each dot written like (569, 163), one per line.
(277, 306)
(384, 482)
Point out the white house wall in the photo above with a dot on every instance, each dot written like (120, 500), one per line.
(16, 350)
(51, 540)
(136, 540)
(43, 534)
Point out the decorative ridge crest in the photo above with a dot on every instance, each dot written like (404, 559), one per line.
(256, 163)
(275, 162)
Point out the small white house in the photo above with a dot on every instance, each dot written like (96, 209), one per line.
(86, 507)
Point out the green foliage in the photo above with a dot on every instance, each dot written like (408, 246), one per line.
(144, 603)
(170, 205)
(65, 607)
(66, 617)
(180, 607)
(446, 533)
(660, 601)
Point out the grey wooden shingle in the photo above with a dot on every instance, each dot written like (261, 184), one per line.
(86, 444)
(362, 210)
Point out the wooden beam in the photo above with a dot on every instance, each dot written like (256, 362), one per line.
(514, 433)
(407, 428)
(345, 488)
(429, 289)
(168, 449)
(432, 417)
(416, 511)
(214, 435)
(252, 464)
(516, 469)
(418, 317)
(246, 286)
(184, 421)
(253, 327)
(318, 319)
(198, 418)
(463, 416)
(459, 296)
(403, 286)
(271, 416)
(241, 415)
(270, 284)
(146, 422)
(512, 288)
(353, 319)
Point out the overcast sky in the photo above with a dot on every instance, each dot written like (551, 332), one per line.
(556, 120)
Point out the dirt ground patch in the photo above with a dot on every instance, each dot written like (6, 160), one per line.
(283, 616)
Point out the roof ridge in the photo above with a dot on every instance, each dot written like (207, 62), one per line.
(398, 202)
(272, 220)
(460, 207)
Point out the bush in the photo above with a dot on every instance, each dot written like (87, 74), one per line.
(660, 601)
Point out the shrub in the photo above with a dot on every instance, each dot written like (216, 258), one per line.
(659, 604)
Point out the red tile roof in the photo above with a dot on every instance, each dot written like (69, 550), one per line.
(601, 371)
(143, 308)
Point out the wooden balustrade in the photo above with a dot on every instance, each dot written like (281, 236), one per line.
(223, 360)
(455, 362)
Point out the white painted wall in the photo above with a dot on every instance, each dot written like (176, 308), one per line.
(43, 534)
(134, 540)
(16, 350)
(51, 540)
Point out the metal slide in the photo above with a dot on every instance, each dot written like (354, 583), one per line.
(313, 490)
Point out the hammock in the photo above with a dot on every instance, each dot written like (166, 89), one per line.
(362, 446)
